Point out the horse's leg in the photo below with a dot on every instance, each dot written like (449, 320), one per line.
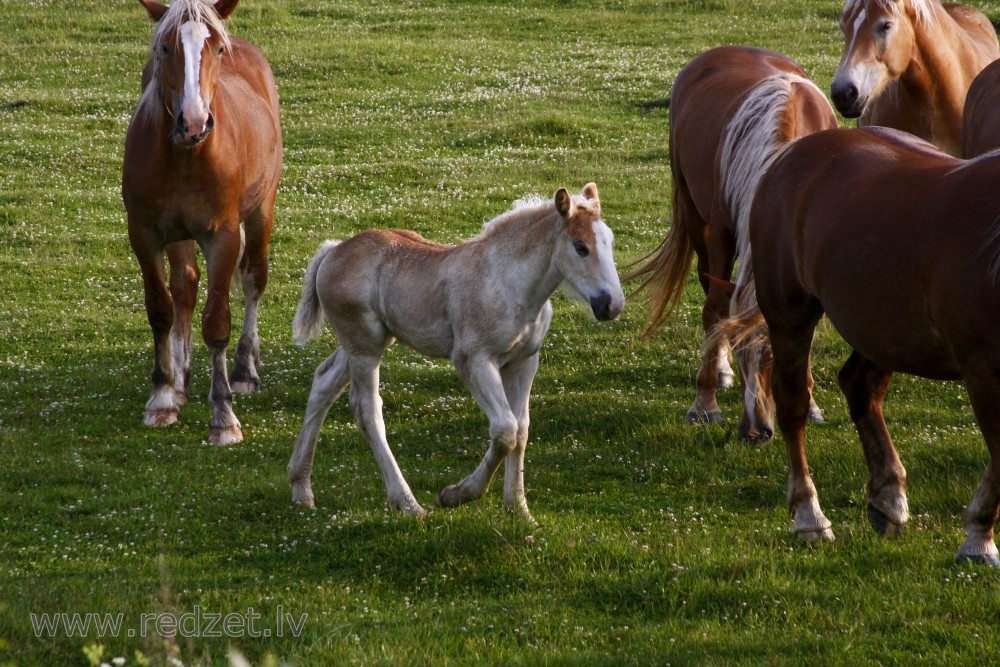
(221, 251)
(483, 378)
(815, 414)
(253, 274)
(790, 349)
(982, 512)
(716, 260)
(865, 385)
(367, 407)
(517, 381)
(162, 407)
(184, 289)
(329, 381)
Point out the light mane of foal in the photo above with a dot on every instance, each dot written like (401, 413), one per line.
(483, 304)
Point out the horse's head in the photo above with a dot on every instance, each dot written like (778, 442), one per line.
(187, 49)
(585, 253)
(880, 36)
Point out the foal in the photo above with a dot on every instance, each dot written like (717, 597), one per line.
(484, 304)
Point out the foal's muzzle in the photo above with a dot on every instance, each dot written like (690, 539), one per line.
(186, 136)
(604, 307)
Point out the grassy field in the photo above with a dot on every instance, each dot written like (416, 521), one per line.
(659, 543)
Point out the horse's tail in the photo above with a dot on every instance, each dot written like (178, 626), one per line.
(756, 136)
(309, 317)
(667, 265)
(745, 330)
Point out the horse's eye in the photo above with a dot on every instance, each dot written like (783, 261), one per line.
(166, 50)
(581, 248)
(221, 49)
(884, 28)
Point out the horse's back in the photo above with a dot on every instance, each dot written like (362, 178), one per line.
(981, 119)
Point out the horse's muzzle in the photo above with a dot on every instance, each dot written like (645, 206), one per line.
(183, 135)
(605, 308)
(845, 97)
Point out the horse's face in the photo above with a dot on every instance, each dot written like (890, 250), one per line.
(585, 253)
(188, 49)
(879, 40)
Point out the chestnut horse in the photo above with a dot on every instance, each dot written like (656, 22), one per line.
(203, 153)
(484, 304)
(733, 109)
(908, 64)
(981, 120)
(845, 224)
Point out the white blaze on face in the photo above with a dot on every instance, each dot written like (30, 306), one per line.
(193, 36)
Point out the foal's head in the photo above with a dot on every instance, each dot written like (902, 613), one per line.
(585, 252)
(187, 49)
(880, 36)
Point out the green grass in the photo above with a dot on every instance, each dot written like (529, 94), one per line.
(660, 543)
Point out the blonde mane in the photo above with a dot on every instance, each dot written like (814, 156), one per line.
(529, 207)
(151, 107)
(924, 9)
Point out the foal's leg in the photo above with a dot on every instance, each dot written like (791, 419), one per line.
(221, 252)
(483, 378)
(367, 407)
(982, 512)
(162, 407)
(865, 385)
(517, 381)
(184, 289)
(329, 381)
(790, 349)
(253, 274)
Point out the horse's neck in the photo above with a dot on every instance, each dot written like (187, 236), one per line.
(523, 259)
(945, 56)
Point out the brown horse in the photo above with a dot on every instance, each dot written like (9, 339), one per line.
(733, 110)
(981, 120)
(203, 153)
(908, 64)
(845, 224)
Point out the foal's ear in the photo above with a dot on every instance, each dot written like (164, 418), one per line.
(564, 203)
(590, 194)
(154, 9)
(225, 7)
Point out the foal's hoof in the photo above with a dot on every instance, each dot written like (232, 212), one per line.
(978, 559)
(882, 524)
(410, 507)
(229, 435)
(160, 418)
(754, 435)
(815, 415)
(303, 496)
(696, 416)
(978, 552)
(250, 386)
(815, 536)
(451, 496)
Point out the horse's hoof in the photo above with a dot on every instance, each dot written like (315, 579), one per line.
(815, 536)
(229, 435)
(696, 416)
(159, 418)
(882, 524)
(754, 436)
(251, 386)
(815, 415)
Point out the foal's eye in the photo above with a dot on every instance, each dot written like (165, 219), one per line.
(221, 49)
(581, 248)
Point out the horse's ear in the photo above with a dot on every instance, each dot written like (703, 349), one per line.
(225, 7)
(564, 203)
(590, 193)
(154, 9)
